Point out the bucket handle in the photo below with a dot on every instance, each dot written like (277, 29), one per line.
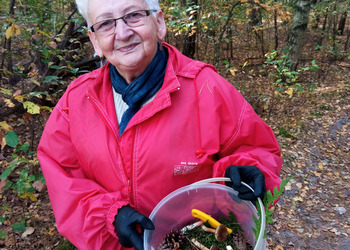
(259, 242)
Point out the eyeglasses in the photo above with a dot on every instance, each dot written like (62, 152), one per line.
(132, 19)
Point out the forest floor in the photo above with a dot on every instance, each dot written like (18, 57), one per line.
(313, 131)
(314, 212)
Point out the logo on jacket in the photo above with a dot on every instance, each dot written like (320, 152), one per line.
(186, 168)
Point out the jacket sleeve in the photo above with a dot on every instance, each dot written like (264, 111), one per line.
(252, 144)
(84, 211)
(245, 139)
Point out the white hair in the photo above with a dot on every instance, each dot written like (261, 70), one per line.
(83, 7)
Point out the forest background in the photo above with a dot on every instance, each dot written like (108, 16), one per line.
(290, 60)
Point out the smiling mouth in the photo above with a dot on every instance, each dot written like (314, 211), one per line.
(128, 48)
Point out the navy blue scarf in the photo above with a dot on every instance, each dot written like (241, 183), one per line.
(142, 88)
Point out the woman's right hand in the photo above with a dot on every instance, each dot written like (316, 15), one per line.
(125, 227)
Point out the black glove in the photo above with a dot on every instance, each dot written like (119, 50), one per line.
(250, 175)
(125, 227)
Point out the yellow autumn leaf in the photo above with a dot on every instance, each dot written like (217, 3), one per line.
(298, 198)
(278, 94)
(5, 126)
(31, 108)
(46, 108)
(12, 30)
(29, 195)
(19, 98)
(245, 64)
(32, 197)
(289, 92)
(17, 30)
(44, 33)
(22, 196)
(233, 71)
(9, 32)
(320, 166)
(9, 103)
(35, 81)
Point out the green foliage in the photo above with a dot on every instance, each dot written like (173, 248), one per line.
(7, 217)
(11, 139)
(283, 74)
(39, 27)
(181, 18)
(3, 234)
(21, 158)
(208, 239)
(287, 80)
(268, 201)
(285, 133)
(19, 226)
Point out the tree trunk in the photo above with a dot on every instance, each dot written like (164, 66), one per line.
(218, 45)
(276, 29)
(347, 41)
(7, 54)
(299, 27)
(189, 47)
(333, 27)
(255, 14)
(317, 17)
(255, 21)
(323, 34)
(342, 22)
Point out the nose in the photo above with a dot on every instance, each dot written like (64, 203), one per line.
(122, 30)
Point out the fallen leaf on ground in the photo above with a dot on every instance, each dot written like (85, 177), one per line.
(29, 231)
(39, 186)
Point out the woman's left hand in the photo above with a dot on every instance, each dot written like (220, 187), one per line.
(252, 176)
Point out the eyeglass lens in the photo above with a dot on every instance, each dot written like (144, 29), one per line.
(132, 19)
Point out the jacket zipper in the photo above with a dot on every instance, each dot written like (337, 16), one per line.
(131, 171)
(106, 119)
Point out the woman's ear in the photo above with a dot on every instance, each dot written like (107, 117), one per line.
(95, 43)
(161, 31)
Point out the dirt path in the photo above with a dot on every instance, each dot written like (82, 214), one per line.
(314, 211)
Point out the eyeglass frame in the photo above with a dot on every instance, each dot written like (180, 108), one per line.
(148, 13)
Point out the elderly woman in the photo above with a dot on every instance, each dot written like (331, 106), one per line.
(145, 124)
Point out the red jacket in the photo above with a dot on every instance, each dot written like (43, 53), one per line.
(197, 125)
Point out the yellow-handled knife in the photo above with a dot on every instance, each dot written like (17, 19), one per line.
(205, 217)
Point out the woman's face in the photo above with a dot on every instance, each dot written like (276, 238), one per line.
(130, 50)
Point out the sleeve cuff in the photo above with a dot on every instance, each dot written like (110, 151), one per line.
(111, 216)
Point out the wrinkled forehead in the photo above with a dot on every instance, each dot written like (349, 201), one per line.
(99, 10)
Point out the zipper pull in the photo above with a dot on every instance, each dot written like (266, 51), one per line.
(129, 189)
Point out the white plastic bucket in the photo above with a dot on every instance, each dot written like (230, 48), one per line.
(174, 211)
